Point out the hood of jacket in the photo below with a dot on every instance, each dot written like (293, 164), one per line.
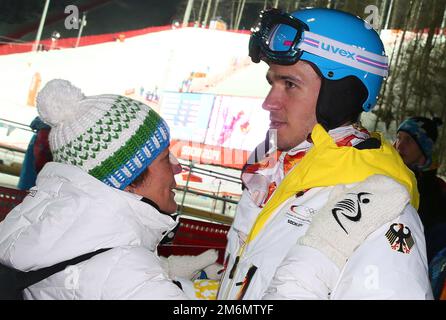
(70, 213)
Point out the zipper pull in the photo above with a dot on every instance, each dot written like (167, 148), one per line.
(234, 267)
(246, 282)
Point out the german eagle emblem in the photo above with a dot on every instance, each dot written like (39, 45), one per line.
(400, 238)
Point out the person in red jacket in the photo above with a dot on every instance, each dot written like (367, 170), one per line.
(37, 154)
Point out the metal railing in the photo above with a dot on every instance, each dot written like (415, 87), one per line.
(15, 125)
(11, 155)
(222, 203)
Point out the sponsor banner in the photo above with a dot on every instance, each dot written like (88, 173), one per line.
(206, 154)
(237, 123)
(187, 114)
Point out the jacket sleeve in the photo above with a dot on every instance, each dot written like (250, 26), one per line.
(390, 264)
(377, 269)
(305, 273)
(138, 275)
(375, 240)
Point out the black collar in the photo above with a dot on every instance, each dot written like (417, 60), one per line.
(370, 143)
(153, 204)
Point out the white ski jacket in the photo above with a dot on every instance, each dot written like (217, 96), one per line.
(70, 213)
(317, 246)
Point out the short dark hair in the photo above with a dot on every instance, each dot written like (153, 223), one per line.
(139, 179)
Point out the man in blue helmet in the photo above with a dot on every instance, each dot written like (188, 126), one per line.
(329, 212)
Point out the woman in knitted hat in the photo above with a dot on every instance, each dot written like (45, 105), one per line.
(110, 186)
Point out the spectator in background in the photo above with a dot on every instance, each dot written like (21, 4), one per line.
(437, 274)
(415, 142)
(37, 154)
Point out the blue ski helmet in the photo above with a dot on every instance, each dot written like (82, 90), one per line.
(337, 43)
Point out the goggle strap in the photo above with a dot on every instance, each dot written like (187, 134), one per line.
(343, 53)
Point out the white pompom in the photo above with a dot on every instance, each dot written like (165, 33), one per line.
(58, 102)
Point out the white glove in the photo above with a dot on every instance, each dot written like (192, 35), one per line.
(187, 266)
(352, 214)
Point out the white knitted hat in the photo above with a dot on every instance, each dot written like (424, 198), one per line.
(112, 137)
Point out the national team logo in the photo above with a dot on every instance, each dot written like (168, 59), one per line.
(400, 238)
(350, 209)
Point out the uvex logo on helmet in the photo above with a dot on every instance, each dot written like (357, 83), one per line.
(336, 50)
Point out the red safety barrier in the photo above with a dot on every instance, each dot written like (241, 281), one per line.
(84, 41)
(194, 237)
(9, 198)
(88, 40)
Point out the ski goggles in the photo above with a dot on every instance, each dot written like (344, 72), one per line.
(280, 38)
(276, 37)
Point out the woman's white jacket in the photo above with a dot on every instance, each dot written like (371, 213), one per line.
(70, 213)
